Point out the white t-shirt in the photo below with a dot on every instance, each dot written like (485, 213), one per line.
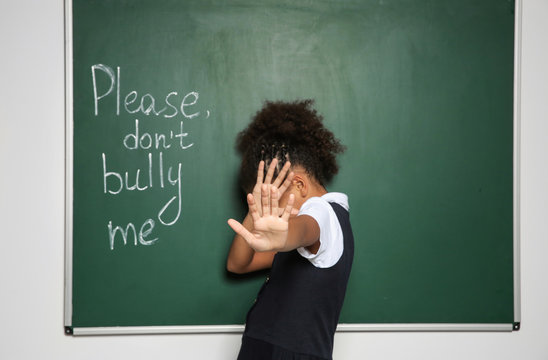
(331, 236)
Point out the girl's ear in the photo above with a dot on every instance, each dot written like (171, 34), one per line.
(301, 185)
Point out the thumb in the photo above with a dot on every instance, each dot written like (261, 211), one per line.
(239, 229)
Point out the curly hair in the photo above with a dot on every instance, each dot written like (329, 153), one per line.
(288, 131)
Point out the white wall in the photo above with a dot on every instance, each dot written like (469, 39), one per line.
(31, 216)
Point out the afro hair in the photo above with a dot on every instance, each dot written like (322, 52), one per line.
(291, 131)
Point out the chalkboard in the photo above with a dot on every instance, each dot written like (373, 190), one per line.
(420, 92)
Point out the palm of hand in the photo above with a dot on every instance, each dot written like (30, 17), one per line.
(270, 232)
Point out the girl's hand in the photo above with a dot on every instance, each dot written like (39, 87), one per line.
(270, 228)
(282, 181)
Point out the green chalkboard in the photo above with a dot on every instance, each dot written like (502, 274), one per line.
(420, 92)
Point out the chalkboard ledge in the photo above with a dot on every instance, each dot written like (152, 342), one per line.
(416, 327)
(147, 330)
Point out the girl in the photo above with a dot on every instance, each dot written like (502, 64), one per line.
(309, 251)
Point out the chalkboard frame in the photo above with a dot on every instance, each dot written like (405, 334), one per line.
(422, 327)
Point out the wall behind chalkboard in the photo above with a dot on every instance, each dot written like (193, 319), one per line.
(420, 92)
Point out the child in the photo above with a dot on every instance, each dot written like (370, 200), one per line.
(310, 253)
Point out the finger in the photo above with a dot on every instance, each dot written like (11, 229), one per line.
(265, 200)
(257, 197)
(282, 174)
(240, 230)
(288, 208)
(257, 202)
(287, 183)
(274, 200)
(253, 211)
(260, 172)
(270, 172)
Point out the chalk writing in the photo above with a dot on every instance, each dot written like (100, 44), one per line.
(154, 174)
(145, 104)
(136, 140)
(148, 225)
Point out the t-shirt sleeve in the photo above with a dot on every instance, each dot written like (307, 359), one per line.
(331, 237)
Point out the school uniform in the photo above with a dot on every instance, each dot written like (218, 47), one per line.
(297, 309)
